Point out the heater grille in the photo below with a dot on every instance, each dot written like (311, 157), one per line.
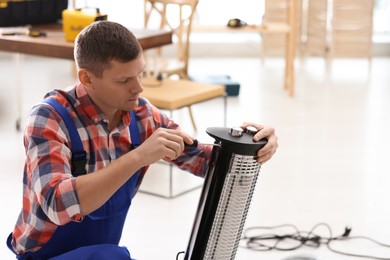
(232, 208)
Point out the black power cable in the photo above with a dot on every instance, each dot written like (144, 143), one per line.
(178, 254)
(297, 239)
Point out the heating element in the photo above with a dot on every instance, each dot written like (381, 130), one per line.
(226, 195)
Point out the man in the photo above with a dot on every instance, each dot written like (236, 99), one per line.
(80, 217)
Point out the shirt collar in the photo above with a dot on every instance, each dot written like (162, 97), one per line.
(94, 111)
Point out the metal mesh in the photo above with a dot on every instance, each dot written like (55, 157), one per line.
(232, 208)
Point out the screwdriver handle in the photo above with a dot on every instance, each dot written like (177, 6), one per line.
(194, 144)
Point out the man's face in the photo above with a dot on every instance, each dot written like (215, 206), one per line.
(119, 86)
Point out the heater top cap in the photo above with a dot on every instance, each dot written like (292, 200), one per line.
(240, 144)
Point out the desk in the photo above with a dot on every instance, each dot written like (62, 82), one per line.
(55, 46)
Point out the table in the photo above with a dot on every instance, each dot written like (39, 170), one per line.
(54, 45)
(288, 28)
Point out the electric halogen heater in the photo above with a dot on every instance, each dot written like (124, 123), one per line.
(226, 195)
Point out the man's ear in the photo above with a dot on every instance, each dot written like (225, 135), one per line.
(85, 77)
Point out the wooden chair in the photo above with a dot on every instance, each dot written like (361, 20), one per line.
(279, 11)
(347, 32)
(175, 15)
(317, 31)
(351, 34)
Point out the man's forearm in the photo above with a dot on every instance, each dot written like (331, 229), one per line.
(95, 189)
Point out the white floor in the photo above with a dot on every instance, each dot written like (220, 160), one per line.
(331, 165)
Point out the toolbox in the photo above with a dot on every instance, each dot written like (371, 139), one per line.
(74, 20)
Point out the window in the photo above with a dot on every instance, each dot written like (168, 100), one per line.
(382, 20)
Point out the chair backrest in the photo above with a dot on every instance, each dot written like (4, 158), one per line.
(352, 22)
(175, 15)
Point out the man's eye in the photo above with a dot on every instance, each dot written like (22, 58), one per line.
(123, 81)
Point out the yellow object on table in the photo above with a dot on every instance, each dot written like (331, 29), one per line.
(74, 20)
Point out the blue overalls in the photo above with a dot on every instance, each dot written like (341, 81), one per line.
(98, 234)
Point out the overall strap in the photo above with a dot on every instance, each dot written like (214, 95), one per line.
(79, 156)
(134, 130)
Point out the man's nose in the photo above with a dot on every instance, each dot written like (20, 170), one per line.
(138, 87)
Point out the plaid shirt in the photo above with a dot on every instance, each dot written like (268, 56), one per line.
(49, 189)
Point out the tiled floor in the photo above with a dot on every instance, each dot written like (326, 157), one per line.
(331, 165)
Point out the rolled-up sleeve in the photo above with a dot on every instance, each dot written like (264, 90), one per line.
(194, 160)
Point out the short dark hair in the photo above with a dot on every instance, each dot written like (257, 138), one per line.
(103, 41)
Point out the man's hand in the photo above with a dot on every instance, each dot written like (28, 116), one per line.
(265, 153)
(163, 143)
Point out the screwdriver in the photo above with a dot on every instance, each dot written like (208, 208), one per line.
(29, 33)
(196, 143)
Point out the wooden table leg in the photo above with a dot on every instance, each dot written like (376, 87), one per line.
(289, 83)
(18, 63)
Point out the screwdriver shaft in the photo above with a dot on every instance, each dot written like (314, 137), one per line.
(196, 144)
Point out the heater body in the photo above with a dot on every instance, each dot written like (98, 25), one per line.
(226, 196)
